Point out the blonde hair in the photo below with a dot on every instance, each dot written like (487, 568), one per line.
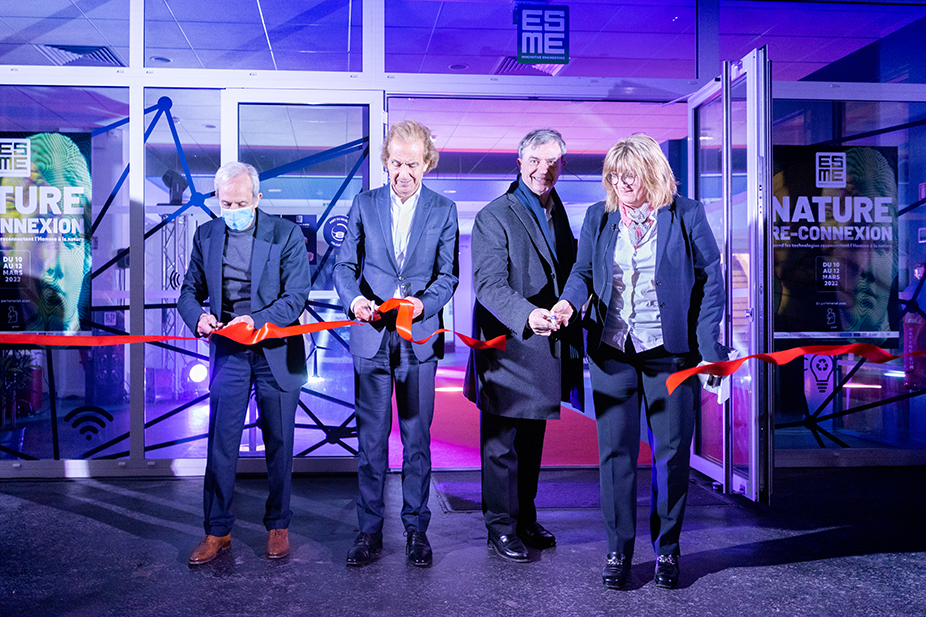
(410, 132)
(641, 156)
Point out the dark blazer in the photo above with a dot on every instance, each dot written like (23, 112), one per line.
(515, 272)
(366, 266)
(689, 280)
(280, 283)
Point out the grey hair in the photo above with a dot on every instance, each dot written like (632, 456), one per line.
(228, 171)
(541, 137)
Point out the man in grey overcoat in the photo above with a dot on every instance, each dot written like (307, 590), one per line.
(523, 251)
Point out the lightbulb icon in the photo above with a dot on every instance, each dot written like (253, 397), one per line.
(821, 367)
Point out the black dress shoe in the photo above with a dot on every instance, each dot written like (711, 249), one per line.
(418, 549)
(667, 571)
(365, 549)
(536, 536)
(509, 547)
(616, 572)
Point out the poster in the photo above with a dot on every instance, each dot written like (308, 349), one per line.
(46, 190)
(834, 233)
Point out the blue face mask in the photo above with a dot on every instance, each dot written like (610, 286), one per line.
(238, 219)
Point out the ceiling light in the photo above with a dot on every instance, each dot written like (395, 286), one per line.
(163, 59)
(450, 191)
(209, 126)
(458, 67)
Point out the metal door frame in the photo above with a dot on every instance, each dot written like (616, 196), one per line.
(755, 69)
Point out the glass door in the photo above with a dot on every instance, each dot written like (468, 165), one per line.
(314, 151)
(729, 158)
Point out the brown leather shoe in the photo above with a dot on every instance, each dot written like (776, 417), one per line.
(277, 543)
(206, 550)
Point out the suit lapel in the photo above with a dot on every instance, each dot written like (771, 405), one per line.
(663, 228)
(607, 243)
(214, 251)
(382, 210)
(534, 232)
(263, 238)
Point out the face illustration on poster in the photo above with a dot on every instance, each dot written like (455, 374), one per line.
(871, 272)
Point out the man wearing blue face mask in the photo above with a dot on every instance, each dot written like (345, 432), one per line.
(247, 267)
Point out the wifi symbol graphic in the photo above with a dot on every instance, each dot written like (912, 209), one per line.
(174, 280)
(88, 418)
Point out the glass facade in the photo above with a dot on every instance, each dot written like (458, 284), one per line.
(70, 403)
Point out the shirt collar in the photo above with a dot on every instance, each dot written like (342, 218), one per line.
(411, 202)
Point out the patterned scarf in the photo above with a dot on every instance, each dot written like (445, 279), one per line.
(638, 220)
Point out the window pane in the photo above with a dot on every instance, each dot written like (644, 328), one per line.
(269, 35)
(827, 41)
(60, 402)
(176, 384)
(880, 405)
(314, 159)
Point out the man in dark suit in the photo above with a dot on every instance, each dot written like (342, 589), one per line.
(523, 250)
(401, 241)
(252, 268)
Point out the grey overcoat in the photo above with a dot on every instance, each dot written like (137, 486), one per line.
(514, 272)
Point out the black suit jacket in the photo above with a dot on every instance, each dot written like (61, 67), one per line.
(280, 283)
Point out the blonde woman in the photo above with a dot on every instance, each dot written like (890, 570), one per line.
(649, 262)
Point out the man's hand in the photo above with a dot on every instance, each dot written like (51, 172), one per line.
(207, 324)
(419, 307)
(242, 319)
(563, 312)
(365, 311)
(542, 322)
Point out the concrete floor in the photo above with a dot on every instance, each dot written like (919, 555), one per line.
(835, 542)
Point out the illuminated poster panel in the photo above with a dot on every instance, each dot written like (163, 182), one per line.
(834, 233)
(45, 190)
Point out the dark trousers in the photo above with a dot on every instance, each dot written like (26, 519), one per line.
(621, 381)
(229, 391)
(511, 452)
(414, 392)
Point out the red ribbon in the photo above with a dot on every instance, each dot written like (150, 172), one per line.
(246, 335)
(728, 367)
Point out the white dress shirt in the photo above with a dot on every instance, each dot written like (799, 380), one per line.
(402, 215)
